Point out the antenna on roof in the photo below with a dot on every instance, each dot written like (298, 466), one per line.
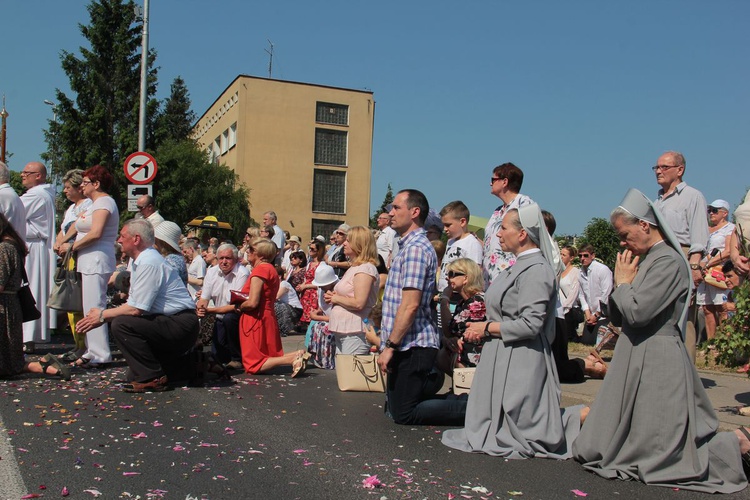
(270, 58)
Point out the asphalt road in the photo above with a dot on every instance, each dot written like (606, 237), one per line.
(266, 436)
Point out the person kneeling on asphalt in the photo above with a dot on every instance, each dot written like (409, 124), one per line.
(158, 324)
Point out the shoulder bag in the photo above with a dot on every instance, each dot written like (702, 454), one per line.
(359, 372)
(29, 311)
(67, 293)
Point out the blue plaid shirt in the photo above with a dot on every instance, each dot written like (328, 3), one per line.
(414, 266)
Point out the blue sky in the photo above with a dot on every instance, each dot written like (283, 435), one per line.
(582, 95)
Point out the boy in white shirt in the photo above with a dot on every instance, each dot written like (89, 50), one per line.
(461, 243)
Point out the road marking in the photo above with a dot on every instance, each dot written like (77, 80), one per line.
(10, 474)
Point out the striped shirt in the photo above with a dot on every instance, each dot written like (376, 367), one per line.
(413, 267)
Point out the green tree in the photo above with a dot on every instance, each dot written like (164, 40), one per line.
(176, 120)
(386, 201)
(189, 185)
(16, 182)
(600, 233)
(99, 124)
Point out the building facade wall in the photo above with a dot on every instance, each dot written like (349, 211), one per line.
(274, 148)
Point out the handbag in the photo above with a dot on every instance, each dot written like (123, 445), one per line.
(462, 379)
(67, 292)
(29, 311)
(237, 297)
(359, 372)
(715, 277)
(576, 314)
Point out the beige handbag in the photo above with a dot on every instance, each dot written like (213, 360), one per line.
(462, 379)
(359, 372)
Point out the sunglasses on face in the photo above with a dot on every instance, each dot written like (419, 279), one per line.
(712, 210)
(453, 274)
(585, 255)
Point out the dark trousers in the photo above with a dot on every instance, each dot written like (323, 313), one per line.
(412, 385)
(227, 338)
(569, 370)
(149, 341)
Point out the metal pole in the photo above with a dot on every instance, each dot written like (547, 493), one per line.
(4, 114)
(144, 82)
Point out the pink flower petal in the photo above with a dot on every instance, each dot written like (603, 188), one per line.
(579, 493)
(65, 491)
(371, 482)
(131, 473)
(140, 435)
(299, 451)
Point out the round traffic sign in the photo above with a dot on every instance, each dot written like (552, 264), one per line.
(140, 168)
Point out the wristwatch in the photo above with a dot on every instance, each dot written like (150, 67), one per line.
(695, 267)
(392, 345)
(487, 334)
(101, 316)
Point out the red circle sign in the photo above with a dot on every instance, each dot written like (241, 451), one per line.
(140, 168)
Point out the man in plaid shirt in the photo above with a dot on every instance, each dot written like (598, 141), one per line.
(409, 339)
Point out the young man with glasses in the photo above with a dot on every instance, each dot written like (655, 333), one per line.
(595, 286)
(505, 183)
(41, 262)
(684, 208)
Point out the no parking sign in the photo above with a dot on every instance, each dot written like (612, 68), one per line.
(140, 168)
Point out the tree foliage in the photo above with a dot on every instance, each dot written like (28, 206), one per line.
(732, 339)
(600, 233)
(99, 125)
(386, 201)
(176, 120)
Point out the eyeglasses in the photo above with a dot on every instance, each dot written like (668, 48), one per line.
(712, 210)
(453, 274)
(663, 168)
(25, 172)
(341, 233)
(138, 206)
(85, 183)
(585, 255)
(494, 179)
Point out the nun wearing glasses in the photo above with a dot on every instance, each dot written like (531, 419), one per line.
(652, 420)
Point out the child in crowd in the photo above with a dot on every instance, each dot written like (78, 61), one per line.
(322, 344)
(372, 326)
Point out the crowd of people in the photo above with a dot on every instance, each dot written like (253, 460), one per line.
(505, 306)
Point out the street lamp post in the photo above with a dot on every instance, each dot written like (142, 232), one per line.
(4, 115)
(53, 162)
(144, 76)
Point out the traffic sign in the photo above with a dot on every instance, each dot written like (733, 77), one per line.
(132, 205)
(135, 191)
(140, 168)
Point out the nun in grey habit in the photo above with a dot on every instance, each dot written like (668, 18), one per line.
(514, 405)
(652, 420)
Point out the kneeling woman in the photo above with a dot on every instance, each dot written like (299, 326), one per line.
(259, 332)
(514, 405)
(652, 419)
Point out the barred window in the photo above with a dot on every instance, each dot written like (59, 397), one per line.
(329, 191)
(330, 147)
(324, 228)
(335, 114)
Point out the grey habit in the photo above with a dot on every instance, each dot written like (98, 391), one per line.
(514, 405)
(652, 419)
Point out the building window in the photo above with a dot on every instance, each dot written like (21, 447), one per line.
(324, 228)
(330, 147)
(225, 141)
(335, 114)
(329, 191)
(233, 135)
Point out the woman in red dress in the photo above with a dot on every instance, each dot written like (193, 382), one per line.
(308, 293)
(259, 333)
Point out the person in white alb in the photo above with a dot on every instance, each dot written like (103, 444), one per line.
(39, 202)
(10, 204)
(595, 280)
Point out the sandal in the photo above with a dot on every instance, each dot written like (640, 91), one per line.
(300, 364)
(745, 456)
(86, 364)
(52, 361)
(70, 357)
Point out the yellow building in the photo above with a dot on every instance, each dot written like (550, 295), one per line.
(304, 150)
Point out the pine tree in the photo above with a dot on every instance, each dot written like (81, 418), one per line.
(383, 207)
(176, 121)
(99, 124)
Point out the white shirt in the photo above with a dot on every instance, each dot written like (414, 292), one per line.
(290, 296)
(467, 247)
(196, 269)
(217, 285)
(596, 285)
(13, 209)
(385, 243)
(156, 287)
(155, 219)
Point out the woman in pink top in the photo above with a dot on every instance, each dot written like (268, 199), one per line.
(356, 293)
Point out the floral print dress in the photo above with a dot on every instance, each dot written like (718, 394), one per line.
(468, 310)
(309, 297)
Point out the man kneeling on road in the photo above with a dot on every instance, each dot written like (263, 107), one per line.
(220, 280)
(158, 323)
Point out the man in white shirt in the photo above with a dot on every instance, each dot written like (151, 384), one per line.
(147, 209)
(196, 266)
(41, 262)
(220, 280)
(595, 281)
(270, 219)
(386, 238)
(10, 204)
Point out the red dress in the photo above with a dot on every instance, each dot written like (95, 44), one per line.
(259, 332)
(309, 297)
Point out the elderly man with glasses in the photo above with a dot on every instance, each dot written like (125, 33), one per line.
(684, 209)
(39, 202)
(386, 239)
